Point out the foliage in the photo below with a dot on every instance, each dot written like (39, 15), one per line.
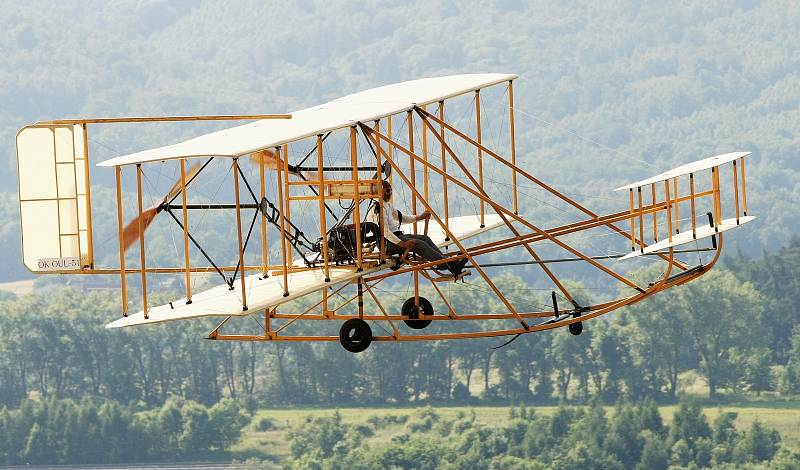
(67, 432)
(571, 438)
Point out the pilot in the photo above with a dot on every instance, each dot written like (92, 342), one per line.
(397, 241)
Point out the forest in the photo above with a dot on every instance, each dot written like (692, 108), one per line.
(58, 365)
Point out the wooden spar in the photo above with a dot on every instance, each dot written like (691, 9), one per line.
(213, 117)
(736, 190)
(391, 154)
(264, 234)
(381, 243)
(412, 170)
(186, 235)
(655, 213)
(356, 196)
(479, 185)
(480, 153)
(641, 219)
(455, 240)
(513, 142)
(283, 224)
(744, 189)
(58, 200)
(89, 230)
(141, 238)
(239, 231)
(123, 287)
(425, 172)
(633, 223)
(410, 125)
(288, 212)
(534, 180)
(498, 208)
(717, 199)
(691, 199)
(323, 220)
(677, 205)
(444, 168)
(669, 213)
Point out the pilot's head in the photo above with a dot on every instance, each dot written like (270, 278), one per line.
(387, 190)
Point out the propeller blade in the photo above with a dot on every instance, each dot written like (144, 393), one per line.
(271, 162)
(131, 231)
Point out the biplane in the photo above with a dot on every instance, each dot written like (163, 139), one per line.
(297, 189)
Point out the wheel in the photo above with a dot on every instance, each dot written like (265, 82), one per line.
(355, 335)
(410, 309)
(576, 328)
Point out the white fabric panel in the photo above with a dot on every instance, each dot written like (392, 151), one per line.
(36, 160)
(66, 180)
(702, 231)
(692, 167)
(365, 106)
(64, 143)
(40, 239)
(69, 245)
(263, 293)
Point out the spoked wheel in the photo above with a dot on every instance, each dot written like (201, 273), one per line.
(410, 309)
(355, 335)
(576, 328)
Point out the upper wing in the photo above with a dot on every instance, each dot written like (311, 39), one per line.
(264, 293)
(364, 106)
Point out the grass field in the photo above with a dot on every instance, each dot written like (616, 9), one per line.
(782, 416)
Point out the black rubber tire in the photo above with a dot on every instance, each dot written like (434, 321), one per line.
(410, 309)
(355, 335)
(576, 328)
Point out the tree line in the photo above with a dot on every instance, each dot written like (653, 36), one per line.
(586, 438)
(52, 431)
(735, 327)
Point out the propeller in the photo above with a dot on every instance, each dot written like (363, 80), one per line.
(271, 162)
(131, 232)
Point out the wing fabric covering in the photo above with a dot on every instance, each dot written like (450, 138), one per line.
(365, 106)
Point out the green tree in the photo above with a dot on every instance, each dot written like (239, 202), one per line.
(759, 444)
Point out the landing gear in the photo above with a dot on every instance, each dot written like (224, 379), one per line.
(576, 328)
(355, 335)
(410, 309)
